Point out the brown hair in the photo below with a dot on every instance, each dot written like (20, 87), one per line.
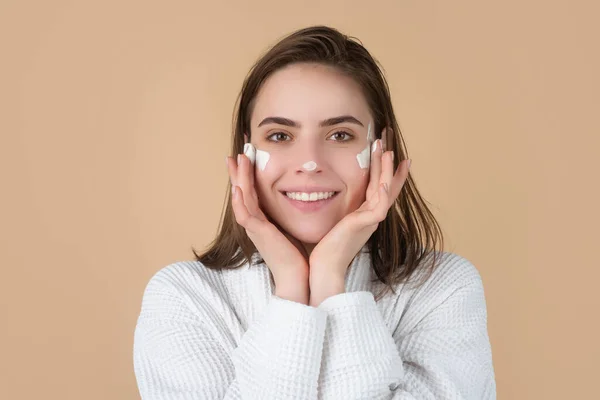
(409, 232)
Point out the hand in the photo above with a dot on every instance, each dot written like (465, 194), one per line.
(284, 255)
(331, 257)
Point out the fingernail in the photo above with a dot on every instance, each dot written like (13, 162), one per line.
(233, 190)
(374, 146)
(409, 161)
(392, 156)
(385, 186)
(238, 159)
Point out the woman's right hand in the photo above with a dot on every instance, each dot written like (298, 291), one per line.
(283, 254)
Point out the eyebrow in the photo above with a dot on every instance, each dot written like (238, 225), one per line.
(294, 124)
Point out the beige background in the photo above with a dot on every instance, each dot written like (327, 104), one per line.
(115, 119)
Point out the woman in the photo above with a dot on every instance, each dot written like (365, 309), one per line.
(323, 282)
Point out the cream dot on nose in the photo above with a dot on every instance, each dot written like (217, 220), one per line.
(310, 166)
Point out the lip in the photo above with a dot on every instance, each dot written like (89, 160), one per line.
(311, 206)
(308, 189)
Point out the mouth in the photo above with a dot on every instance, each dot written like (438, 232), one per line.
(310, 202)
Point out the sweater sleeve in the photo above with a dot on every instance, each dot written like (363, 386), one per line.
(446, 356)
(178, 355)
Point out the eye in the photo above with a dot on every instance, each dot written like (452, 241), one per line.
(279, 135)
(341, 136)
(350, 137)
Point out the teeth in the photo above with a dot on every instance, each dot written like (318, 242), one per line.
(314, 196)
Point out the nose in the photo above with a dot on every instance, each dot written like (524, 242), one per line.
(310, 163)
(308, 157)
(310, 166)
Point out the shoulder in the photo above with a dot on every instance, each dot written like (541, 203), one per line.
(181, 275)
(451, 273)
(451, 294)
(188, 282)
(453, 270)
(188, 295)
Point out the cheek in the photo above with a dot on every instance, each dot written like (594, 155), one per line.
(351, 163)
(357, 191)
(267, 169)
(355, 178)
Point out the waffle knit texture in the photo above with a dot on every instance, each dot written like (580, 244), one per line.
(206, 334)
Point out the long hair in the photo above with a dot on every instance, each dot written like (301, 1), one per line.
(409, 233)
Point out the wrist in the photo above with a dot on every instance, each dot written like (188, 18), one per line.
(297, 297)
(325, 279)
(321, 289)
(293, 289)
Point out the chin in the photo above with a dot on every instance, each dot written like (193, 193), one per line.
(310, 234)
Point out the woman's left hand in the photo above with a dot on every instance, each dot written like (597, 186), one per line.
(332, 256)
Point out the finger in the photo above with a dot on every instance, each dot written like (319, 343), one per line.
(241, 212)
(252, 173)
(380, 210)
(237, 203)
(232, 170)
(244, 182)
(373, 200)
(251, 169)
(375, 173)
(399, 179)
(387, 168)
(383, 207)
(252, 197)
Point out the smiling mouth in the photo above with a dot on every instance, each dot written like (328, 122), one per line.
(310, 206)
(310, 197)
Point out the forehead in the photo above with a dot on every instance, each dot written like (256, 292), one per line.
(309, 93)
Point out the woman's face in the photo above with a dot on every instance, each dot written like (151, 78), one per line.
(302, 148)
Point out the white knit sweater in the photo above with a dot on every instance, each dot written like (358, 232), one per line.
(205, 334)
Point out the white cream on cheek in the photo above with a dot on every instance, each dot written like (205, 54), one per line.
(260, 157)
(364, 157)
(250, 152)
